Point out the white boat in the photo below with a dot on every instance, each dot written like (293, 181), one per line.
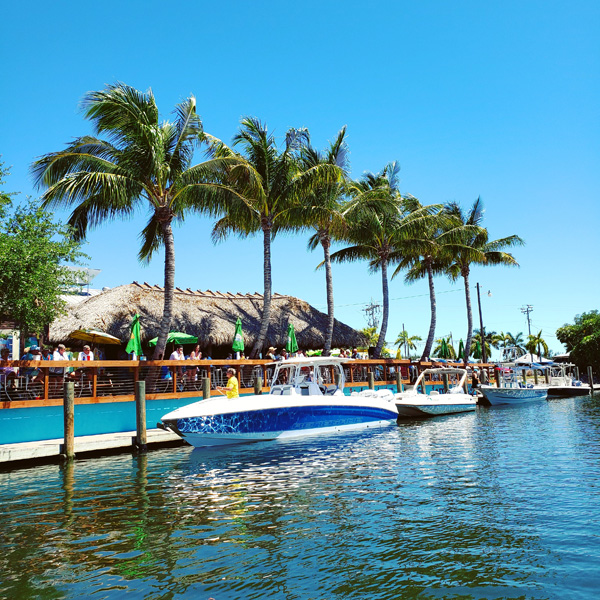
(303, 400)
(412, 403)
(513, 390)
(563, 382)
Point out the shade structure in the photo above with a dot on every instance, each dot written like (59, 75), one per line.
(176, 337)
(461, 349)
(94, 336)
(135, 344)
(291, 345)
(238, 337)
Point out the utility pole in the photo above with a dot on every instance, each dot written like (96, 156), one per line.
(372, 310)
(526, 310)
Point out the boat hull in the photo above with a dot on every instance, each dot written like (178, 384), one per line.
(564, 391)
(273, 423)
(407, 409)
(496, 396)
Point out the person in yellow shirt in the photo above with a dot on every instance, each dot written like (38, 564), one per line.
(232, 388)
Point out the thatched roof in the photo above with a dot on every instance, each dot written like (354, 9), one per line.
(210, 316)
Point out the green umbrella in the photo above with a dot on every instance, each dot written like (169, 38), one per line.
(461, 349)
(238, 337)
(177, 338)
(477, 353)
(135, 344)
(291, 344)
(444, 349)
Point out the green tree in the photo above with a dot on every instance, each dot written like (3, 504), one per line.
(582, 340)
(142, 162)
(33, 252)
(536, 343)
(476, 248)
(261, 191)
(371, 335)
(407, 341)
(516, 341)
(429, 255)
(492, 340)
(323, 210)
(381, 223)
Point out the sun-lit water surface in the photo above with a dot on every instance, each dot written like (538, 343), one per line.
(501, 503)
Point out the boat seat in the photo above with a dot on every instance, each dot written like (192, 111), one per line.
(331, 390)
(434, 393)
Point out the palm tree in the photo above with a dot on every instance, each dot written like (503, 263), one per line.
(535, 343)
(407, 341)
(428, 256)
(261, 191)
(492, 340)
(141, 160)
(323, 211)
(475, 248)
(380, 224)
(516, 341)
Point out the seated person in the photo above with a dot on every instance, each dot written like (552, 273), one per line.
(7, 374)
(33, 375)
(232, 388)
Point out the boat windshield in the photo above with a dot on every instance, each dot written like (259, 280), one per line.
(320, 372)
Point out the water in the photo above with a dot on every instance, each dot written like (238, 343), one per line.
(501, 503)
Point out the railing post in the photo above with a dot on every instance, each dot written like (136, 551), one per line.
(205, 388)
(399, 386)
(140, 416)
(371, 380)
(69, 420)
(257, 386)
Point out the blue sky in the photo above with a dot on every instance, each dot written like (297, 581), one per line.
(491, 99)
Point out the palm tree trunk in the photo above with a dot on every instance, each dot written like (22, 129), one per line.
(469, 318)
(433, 323)
(325, 242)
(386, 310)
(266, 316)
(165, 323)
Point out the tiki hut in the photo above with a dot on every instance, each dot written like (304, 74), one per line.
(210, 316)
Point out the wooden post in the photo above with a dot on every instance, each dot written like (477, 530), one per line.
(69, 420)
(547, 376)
(205, 388)
(399, 386)
(371, 380)
(498, 377)
(445, 379)
(336, 378)
(258, 386)
(535, 376)
(140, 416)
(591, 379)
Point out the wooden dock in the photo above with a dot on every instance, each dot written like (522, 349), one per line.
(52, 450)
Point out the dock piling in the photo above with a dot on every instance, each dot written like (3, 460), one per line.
(140, 416)
(258, 386)
(399, 386)
(371, 380)
(205, 388)
(69, 420)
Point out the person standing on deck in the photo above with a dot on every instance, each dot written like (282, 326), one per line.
(232, 389)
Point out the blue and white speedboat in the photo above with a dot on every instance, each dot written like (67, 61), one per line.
(306, 398)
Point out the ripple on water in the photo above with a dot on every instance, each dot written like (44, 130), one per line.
(500, 503)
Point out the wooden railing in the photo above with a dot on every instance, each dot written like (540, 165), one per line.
(114, 380)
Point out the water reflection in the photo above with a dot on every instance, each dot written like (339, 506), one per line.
(488, 504)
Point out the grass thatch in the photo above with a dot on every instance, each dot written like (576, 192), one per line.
(208, 315)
